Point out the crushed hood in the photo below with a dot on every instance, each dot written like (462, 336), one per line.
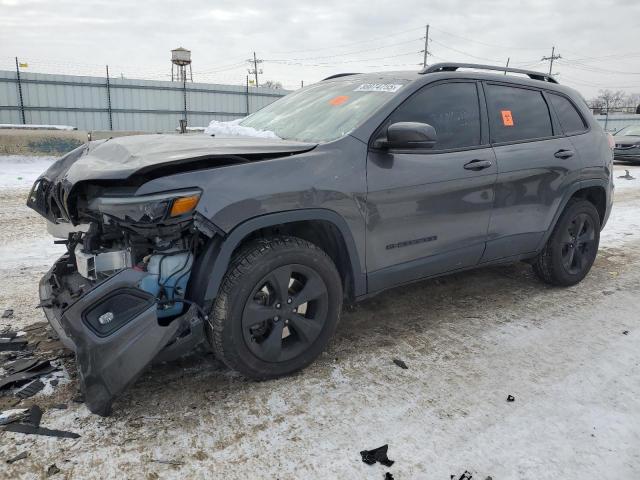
(120, 158)
(123, 158)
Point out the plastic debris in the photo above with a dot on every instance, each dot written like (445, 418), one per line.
(20, 456)
(31, 430)
(30, 390)
(40, 368)
(12, 415)
(400, 363)
(52, 470)
(388, 476)
(8, 313)
(34, 415)
(626, 332)
(465, 476)
(12, 344)
(627, 176)
(377, 455)
(511, 398)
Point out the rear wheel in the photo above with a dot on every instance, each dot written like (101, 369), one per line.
(572, 248)
(278, 307)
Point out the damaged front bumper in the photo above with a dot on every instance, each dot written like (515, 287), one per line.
(112, 325)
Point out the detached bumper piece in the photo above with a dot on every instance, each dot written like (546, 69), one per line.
(111, 325)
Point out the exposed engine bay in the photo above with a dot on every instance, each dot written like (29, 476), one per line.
(117, 297)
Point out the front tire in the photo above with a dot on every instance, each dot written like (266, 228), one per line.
(277, 309)
(572, 248)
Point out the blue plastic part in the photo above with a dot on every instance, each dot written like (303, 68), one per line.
(169, 271)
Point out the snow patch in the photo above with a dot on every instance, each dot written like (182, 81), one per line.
(21, 170)
(234, 129)
(20, 126)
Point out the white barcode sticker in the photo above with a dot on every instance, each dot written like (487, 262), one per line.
(378, 87)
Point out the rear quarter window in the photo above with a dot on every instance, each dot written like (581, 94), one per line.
(570, 119)
(517, 114)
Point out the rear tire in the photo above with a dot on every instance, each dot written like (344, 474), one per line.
(572, 247)
(277, 309)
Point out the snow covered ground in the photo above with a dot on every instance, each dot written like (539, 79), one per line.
(469, 340)
(19, 171)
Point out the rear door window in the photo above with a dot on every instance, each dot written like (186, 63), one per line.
(517, 114)
(570, 120)
(451, 108)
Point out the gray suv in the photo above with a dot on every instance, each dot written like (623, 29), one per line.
(348, 187)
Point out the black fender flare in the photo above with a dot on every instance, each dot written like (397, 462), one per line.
(214, 261)
(577, 186)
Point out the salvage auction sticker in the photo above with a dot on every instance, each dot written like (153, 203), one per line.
(378, 87)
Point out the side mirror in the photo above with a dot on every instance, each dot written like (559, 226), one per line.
(408, 136)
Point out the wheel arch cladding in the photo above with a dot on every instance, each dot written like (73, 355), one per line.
(595, 191)
(324, 228)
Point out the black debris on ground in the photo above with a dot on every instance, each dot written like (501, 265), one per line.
(40, 368)
(377, 455)
(465, 476)
(30, 390)
(20, 456)
(34, 416)
(52, 470)
(59, 406)
(626, 332)
(627, 176)
(400, 363)
(12, 344)
(79, 398)
(388, 476)
(8, 313)
(511, 398)
(31, 430)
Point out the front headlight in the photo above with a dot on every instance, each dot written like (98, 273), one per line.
(147, 209)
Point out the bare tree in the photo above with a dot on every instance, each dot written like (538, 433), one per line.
(608, 100)
(272, 84)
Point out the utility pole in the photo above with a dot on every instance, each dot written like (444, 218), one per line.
(254, 71)
(507, 65)
(552, 58)
(426, 47)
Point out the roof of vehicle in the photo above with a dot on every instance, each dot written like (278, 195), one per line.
(461, 70)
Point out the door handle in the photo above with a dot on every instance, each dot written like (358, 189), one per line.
(477, 165)
(562, 153)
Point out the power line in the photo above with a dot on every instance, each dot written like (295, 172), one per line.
(369, 40)
(483, 43)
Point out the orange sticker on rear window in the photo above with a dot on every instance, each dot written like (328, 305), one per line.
(507, 119)
(338, 100)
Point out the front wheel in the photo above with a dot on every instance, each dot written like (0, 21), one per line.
(277, 309)
(572, 248)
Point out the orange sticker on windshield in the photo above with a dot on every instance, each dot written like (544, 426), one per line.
(507, 119)
(338, 100)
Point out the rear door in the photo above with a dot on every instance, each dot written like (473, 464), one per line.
(428, 211)
(535, 164)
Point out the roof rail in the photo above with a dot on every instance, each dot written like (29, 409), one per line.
(452, 67)
(338, 75)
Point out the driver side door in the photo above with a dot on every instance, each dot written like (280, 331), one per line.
(428, 210)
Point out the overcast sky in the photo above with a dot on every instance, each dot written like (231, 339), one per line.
(599, 40)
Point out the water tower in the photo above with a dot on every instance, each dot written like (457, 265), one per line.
(181, 58)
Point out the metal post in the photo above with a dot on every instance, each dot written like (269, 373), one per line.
(247, 96)
(20, 93)
(507, 65)
(109, 100)
(184, 92)
(426, 47)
